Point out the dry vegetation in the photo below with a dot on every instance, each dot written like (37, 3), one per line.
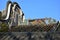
(32, 28)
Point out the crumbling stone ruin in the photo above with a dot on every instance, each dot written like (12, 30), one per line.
(14, 18)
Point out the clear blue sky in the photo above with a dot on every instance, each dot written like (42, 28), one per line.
(37, 8)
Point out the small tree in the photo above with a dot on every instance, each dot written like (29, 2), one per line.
(4, 27)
